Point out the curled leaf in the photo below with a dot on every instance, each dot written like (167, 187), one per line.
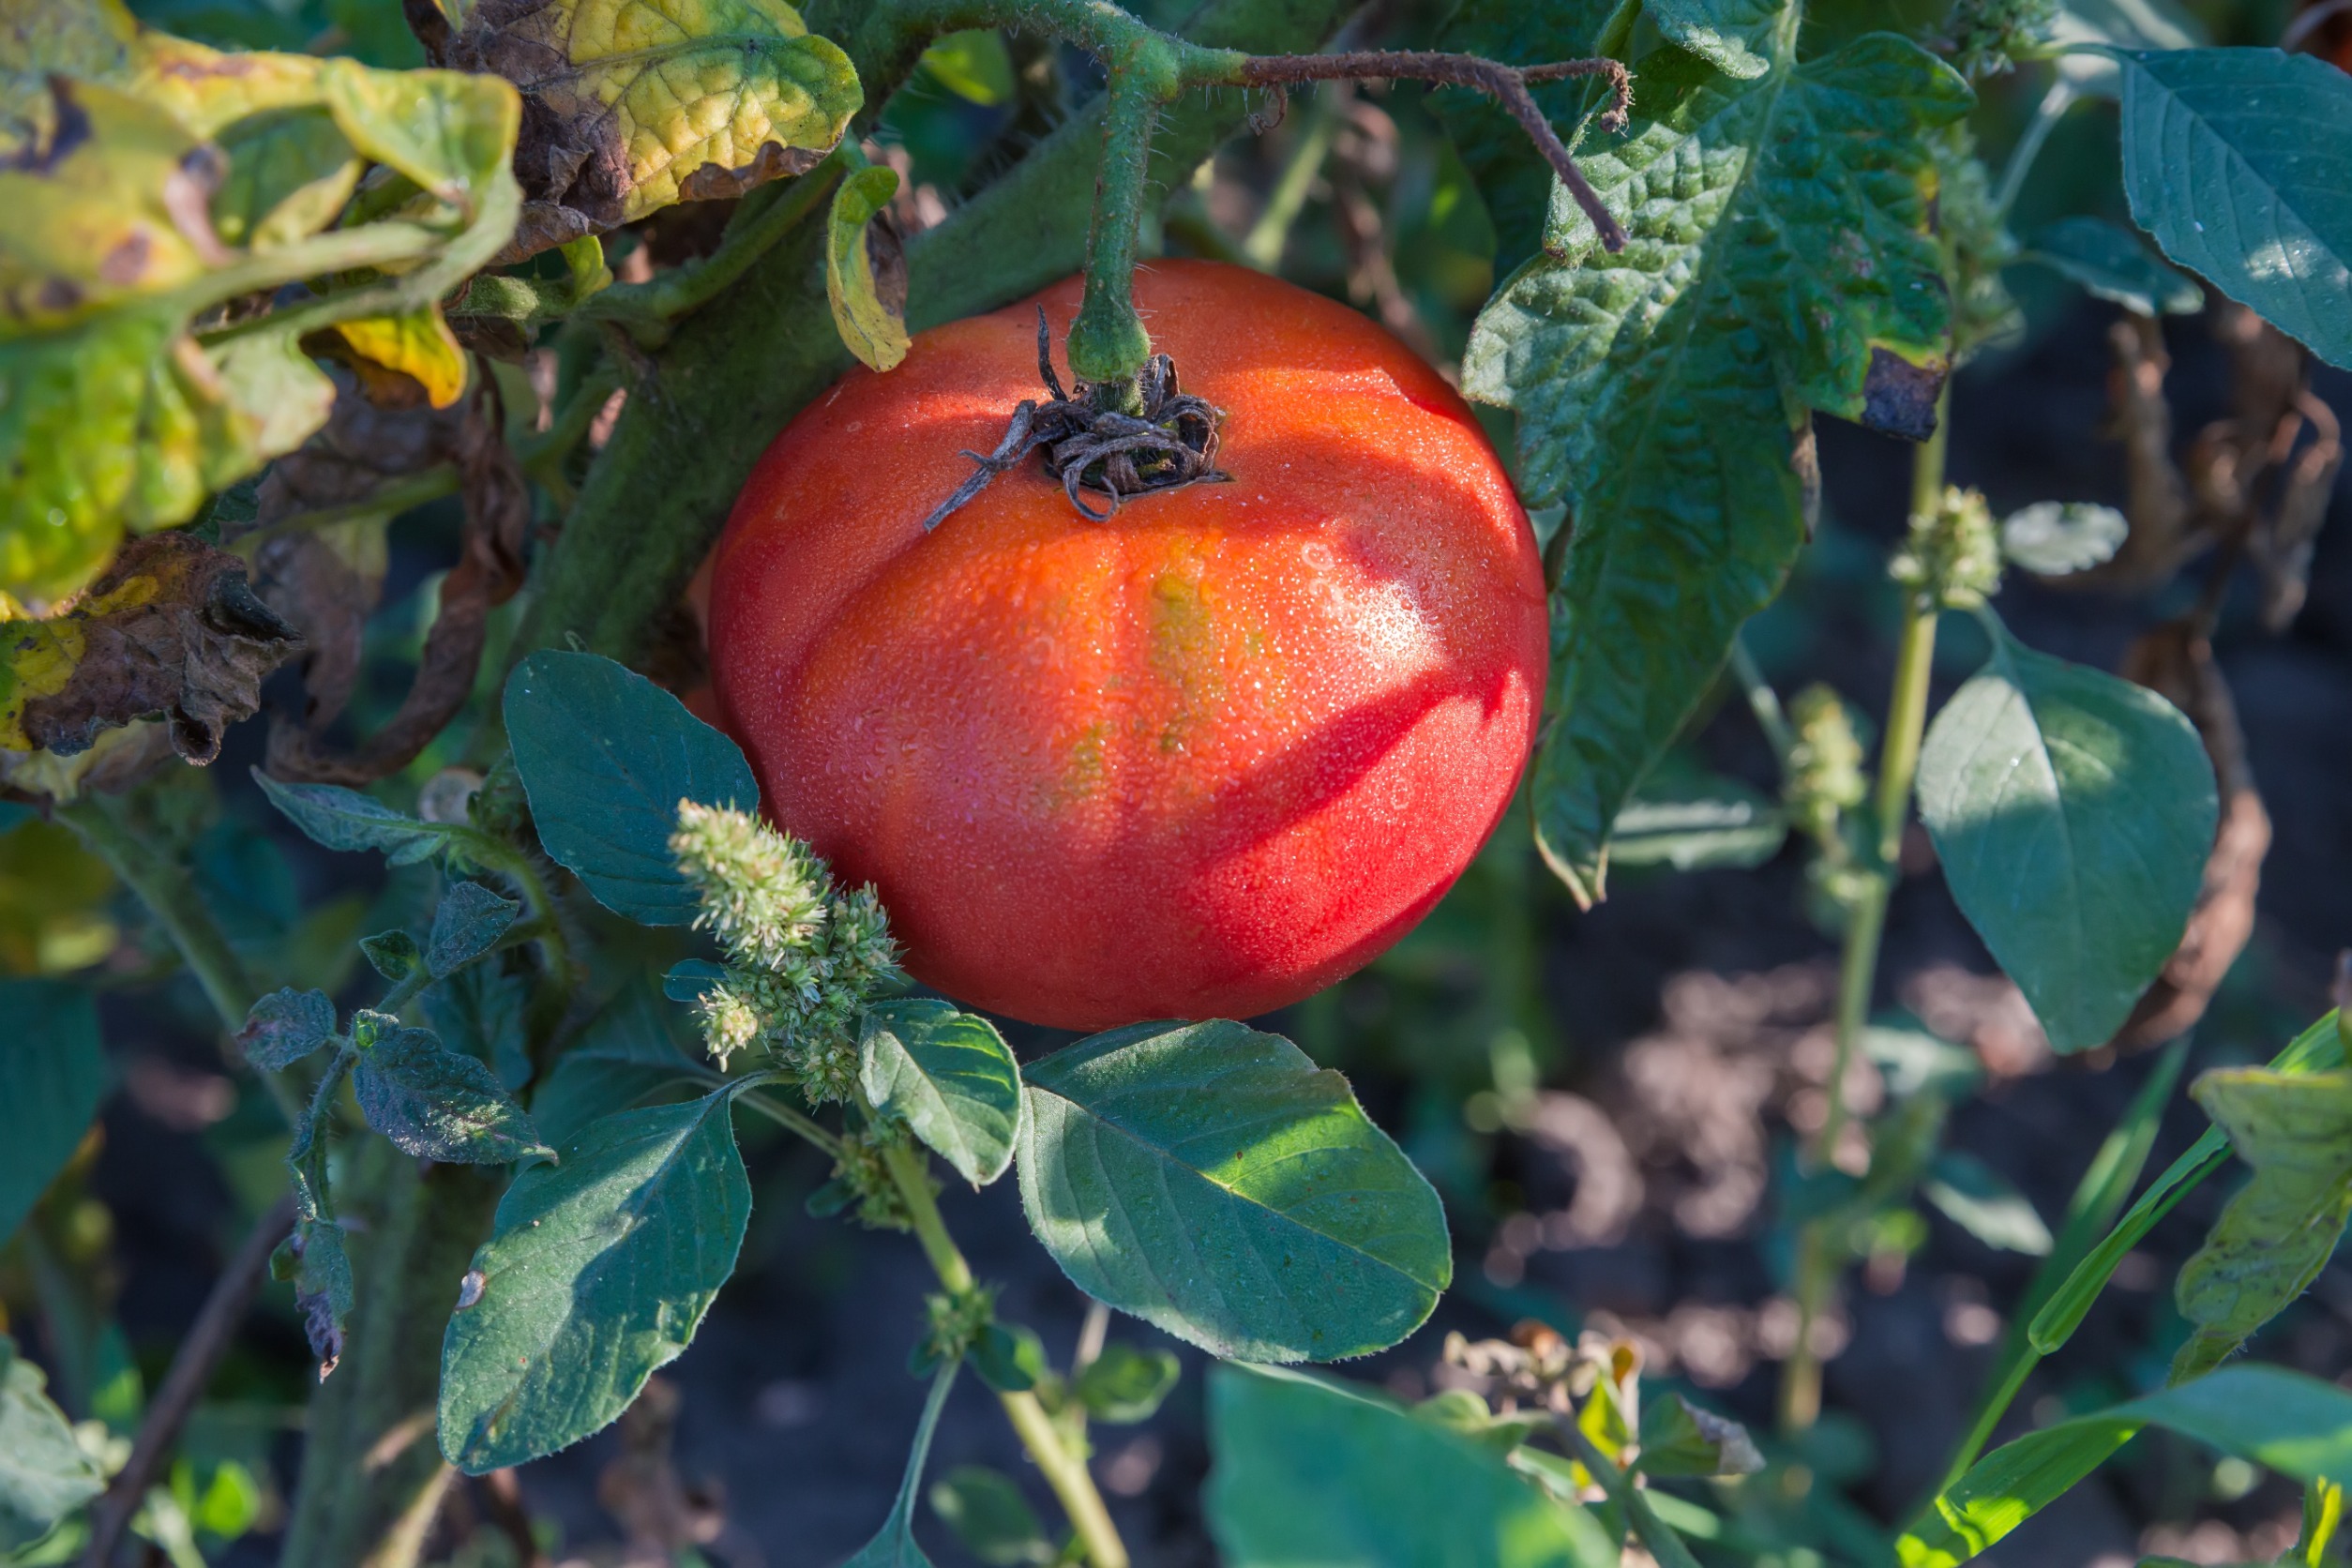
(865, 269)
(170, 631)
(633, 106)
(416, 346)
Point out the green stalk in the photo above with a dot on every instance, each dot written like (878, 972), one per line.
(1817, 1263)
(1271, 234)
(1064, 1471)
(1107, 344)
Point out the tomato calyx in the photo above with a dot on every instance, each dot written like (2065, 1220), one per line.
(1164, 437)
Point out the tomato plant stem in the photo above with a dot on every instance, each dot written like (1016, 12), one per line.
(1064, 1471)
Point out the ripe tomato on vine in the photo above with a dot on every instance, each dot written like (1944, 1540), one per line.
(1200, 758)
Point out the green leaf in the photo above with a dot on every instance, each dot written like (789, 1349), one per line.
(1123, 1385)
(2121, 25)
(480, 1011)
(2316, 1049)
(2109, 260)
(1312, 1471)
(468, 922)
(290, 173)
(1780, 258)
(597, 1274)
(894, 1546)
(53, 1075)
(950, 1076)
(44, 1475)
(451, 132)
(1214, 1182)
(1697, 823)
(393, 955)
(2272, 1239)
(439, 1105)
(986, 1510)
(344, 818)
(2054, 538)
(866, 272)
(286, 1026)
(2239, 162)
(1981, 1200)
(625, 1056)
(2072, 812)
(606, 756)
(1736, 37)
(666, 102)
(1680, 1439)
(323, 1289)
(2282, 1420)
(1009, 1358)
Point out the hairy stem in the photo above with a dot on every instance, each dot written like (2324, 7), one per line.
(1064, 1471)
(1819, 1259)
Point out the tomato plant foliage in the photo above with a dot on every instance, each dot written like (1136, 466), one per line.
(259, 304)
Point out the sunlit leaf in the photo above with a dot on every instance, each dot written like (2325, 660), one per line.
(2239, 162)
(439, 1105)
(1983, 1202)
(950, 1076)
(2052, 539)
(1211, 1181)
(2272, 1239)
(290, 173)
(2072, 812)
(1736, 37)
(418, 344)
(1125, 1384)
(640, 103)
(1697, 823)
(2283, 1421)
(1780, 256)
(866, 273)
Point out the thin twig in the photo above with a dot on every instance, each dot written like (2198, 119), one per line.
(1507, 85)
(185, 1383)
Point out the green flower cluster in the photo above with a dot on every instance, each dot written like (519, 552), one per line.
(1953, 558)
(1986, 38)
(1825, 766)
(803, 955)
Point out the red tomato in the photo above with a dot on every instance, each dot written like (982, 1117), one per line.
(1200, 761)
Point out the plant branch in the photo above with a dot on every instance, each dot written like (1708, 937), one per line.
(1064, 1471)
(765, 217)
(191, 1372)
(1654, 1533)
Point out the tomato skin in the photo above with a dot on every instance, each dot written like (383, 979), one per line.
(1200, 761)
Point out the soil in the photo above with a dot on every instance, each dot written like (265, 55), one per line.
(1694, 1008)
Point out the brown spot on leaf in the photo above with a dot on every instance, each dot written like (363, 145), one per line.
(171, 630)
(711, 183)
(1899, 398)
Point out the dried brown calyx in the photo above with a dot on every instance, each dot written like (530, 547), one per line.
(1170, 443)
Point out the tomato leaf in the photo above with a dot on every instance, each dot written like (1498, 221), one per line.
(2282, 1420)
(53, 1075)
(439, 1105)
(674, 101)
(480, 1011)
(1214, 1182)
(1312, 1471)
(44, 1475)
(418, 344)
(2072, 812)
(1733, 35)
(2275, 1236)
(865, 269)
(1780, 259)
(469, 919)
(606, 756)
(2109, 260)
(950, 1076)
(2239, 162)
(286, 1026)
(598, 1273)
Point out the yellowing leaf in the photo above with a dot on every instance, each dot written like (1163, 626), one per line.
(39, 38)
(647, 102)
(53, 902)
(2271, 1241)
(418, 344)
(112, 204)
(290, 173)
(866, 273)
(449, 131)
(170, 631)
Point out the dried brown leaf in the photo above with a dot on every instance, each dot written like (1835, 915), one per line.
(170, 630)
